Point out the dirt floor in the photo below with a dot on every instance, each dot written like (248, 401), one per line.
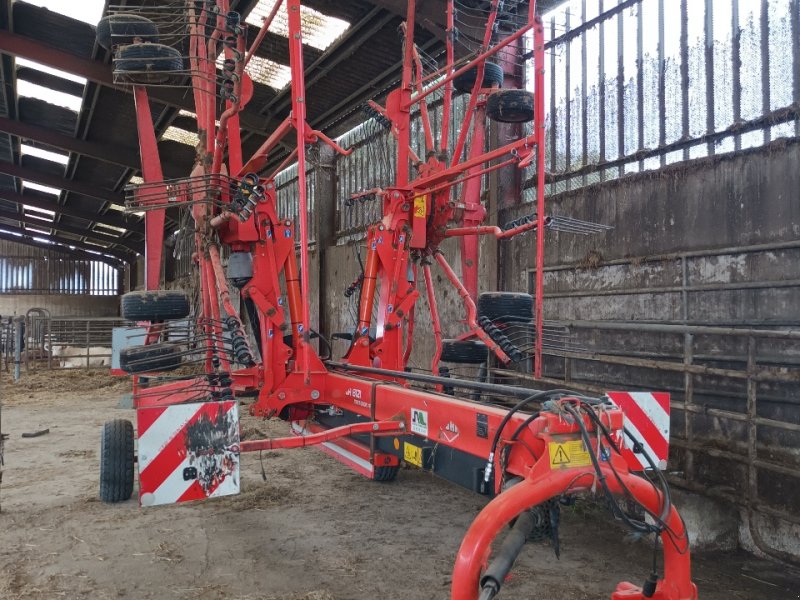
(313, 530)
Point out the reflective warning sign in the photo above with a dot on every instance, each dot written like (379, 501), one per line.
(412, 454)
(420, 206)
(565, 455)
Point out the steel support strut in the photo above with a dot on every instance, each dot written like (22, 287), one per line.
(538, 40)
(299, 121)
(154, 220)
(375, 428)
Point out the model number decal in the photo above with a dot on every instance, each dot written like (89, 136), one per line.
(355, 394)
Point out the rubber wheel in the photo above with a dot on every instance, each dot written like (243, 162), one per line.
(123, 29)
(155, 305)
(384, 474)
(505, 307)
(147, 63)
(492, 74)
(510, 106)
(144, 359)
(467, 352)
(116, 461)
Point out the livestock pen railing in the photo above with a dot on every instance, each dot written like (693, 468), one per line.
(76, 341)
(735, 400)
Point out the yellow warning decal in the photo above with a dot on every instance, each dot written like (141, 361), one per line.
(420, 206)
(412, 454)
(565, 455)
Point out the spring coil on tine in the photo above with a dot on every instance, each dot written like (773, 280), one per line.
(241, 349)
(249, 181)
(233, 22)
(371, 113)
(250, 193)
(499, 338)
(227, 88)
(519, 222)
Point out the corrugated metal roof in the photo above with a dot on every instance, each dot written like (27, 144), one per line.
(107, 120)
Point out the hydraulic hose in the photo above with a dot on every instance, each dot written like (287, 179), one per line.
(498, 569)
(487, 474)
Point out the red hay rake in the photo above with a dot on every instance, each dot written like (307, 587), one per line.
(363, 409)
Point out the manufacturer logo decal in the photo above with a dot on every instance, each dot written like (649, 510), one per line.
(451, 431)
(419, 422)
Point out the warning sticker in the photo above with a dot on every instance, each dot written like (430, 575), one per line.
(420, 206)
(412, 454)
(566, 455)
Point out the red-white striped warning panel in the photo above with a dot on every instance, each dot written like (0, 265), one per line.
(647, 418)
(188, 452)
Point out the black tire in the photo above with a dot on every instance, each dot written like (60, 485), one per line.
(147, 63)
(466, 352)
(492, 74)
(124, 29)
(384, 474)
(505, 307)
(145, 359)
(116, 461)
(155, 305)
(510, 106)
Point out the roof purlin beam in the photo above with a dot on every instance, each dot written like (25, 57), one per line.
(88, 233)
(19, 45)
(116, 253)
(109, 154)
(347, 44)
(42, 204)
(61, 183)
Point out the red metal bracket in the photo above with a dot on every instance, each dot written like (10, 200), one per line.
(301, 441)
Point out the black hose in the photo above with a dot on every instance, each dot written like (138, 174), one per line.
(523, 425)
(662, 480)
(637, 449)
(498, 569)
(487, 474)
(635, 525)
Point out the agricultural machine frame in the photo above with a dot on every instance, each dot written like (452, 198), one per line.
(363, 409)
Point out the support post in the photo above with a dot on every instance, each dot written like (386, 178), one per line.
(325, 226)
(298, 117)
(18, 335)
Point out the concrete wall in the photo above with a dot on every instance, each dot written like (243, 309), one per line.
(60, 305)
(713, 241)
(709, 204)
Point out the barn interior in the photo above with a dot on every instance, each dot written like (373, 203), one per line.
(670, 169)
